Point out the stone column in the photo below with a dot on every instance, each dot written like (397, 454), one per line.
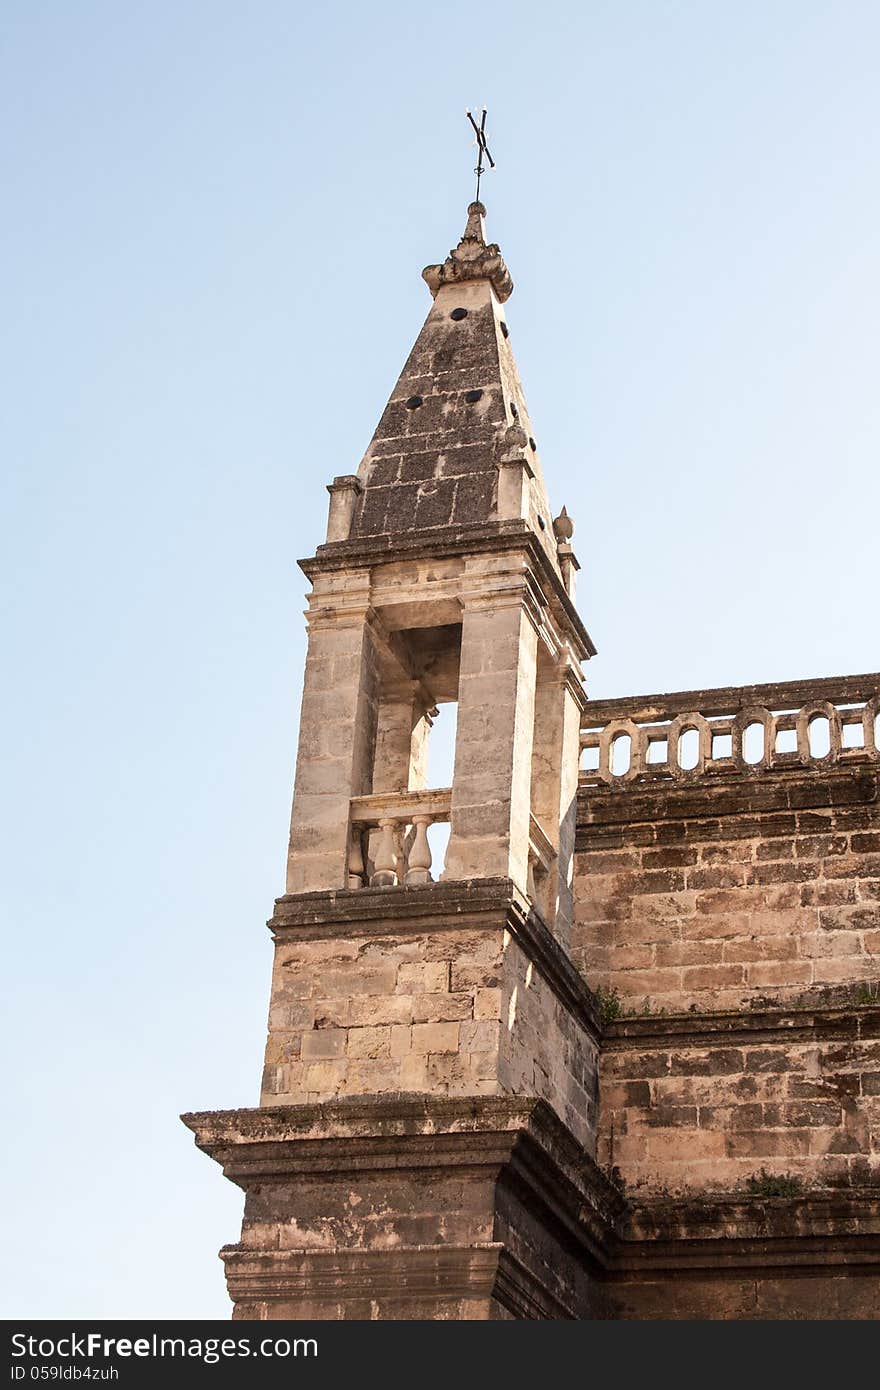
(568, 563)
(559, 699)
(336, 744)
(399, 713)
(514, 475)
(344, 493)
(493, 750)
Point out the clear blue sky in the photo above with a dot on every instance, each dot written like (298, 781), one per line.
(215, 220)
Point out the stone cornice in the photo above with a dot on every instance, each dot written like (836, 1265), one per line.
(447, 541)
(707, 1216)
(522, 1143)
(520, 1135)
(428, 1272)
(813, 1233)
(603, 811)
(730, 698)
(449, 1271)
(747, 1028)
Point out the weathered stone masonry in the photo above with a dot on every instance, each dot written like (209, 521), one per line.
(621, 1058)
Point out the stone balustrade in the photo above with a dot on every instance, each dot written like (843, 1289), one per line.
(741, 731)
(389, 837)
(389, 841)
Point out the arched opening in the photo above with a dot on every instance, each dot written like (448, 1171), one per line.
(441, 745)
(688, 750)
(819, 736)
(754, 739)
(621, 755)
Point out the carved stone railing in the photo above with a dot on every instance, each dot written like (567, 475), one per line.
(746, 731)
(389, 837)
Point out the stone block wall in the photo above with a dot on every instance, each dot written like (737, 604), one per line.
(545, 1049)
(474, 999)
(718, 897)
(708, 1103)
(735, 928)
(395, 1013)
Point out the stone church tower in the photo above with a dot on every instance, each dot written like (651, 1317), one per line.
(621, 1056)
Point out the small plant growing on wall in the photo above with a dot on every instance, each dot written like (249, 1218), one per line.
(609, 1004)
(766, 1184)
(867, 994)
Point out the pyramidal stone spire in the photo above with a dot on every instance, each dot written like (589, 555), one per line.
(455, 446)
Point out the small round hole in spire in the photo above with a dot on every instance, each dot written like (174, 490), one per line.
(504, 329)
(473, 396)
(458, 314)
(532, 445)
(514, 410)
(414, 402)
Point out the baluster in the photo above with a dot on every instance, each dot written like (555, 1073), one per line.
(401, 849)
(385, 858)
(419, 866)
(356, 865)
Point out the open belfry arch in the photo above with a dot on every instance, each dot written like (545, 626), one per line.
(453, 1123)
(442, 580)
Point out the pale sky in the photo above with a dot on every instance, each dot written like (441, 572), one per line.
(216, 216)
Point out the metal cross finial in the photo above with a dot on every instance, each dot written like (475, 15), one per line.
(482, 147)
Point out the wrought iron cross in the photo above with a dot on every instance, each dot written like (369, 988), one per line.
(482, 147)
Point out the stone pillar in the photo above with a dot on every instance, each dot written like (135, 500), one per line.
(514, 476)
(336, 745)
(493, 750)
(344, 493)
(399, 713)
(568, 563)
(559, 699)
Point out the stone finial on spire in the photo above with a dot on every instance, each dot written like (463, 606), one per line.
(563, 527)
(472, 259)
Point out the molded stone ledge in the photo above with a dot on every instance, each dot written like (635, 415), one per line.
(730, 698)
(408, 1130)
(484, 904)
(504, 1167)
(749, 1027)
(418, 1132)
(425, 1282)
(793, 790)
(771, 1230)
(444, 542)
(526, 1174)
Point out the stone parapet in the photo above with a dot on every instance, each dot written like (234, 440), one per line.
(745, 731)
